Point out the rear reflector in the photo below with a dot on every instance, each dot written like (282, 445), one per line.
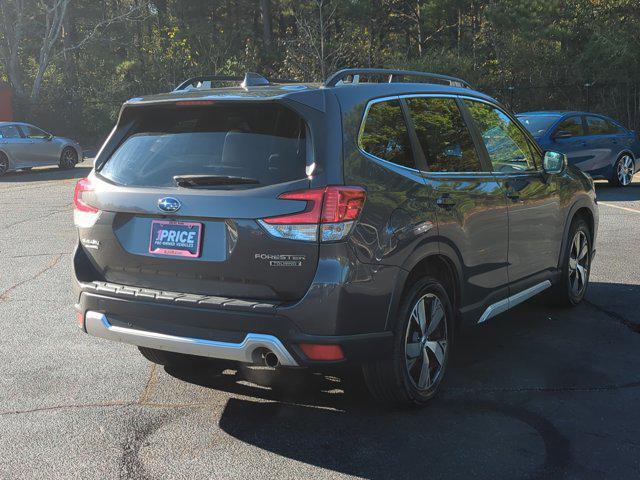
(330, 212)
(322, 352)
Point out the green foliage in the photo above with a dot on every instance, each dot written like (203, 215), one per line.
(547, 49)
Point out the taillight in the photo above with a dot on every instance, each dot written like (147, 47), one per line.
(84, 215)
(330, 214)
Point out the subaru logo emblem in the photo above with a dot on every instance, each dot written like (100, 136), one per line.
(169, 204)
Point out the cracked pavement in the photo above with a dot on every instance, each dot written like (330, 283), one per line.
(536, 393)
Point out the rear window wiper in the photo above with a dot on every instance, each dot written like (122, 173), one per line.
(212, 180)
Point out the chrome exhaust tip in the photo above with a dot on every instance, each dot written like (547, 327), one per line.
(271, 359)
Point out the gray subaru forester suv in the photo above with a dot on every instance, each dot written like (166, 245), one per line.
(357, 222)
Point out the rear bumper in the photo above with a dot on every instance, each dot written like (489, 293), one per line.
(236, 333)
(247, 351)
(347, 304)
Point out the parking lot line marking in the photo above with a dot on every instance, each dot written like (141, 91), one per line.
(621, 208)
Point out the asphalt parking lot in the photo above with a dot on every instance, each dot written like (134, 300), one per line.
(536, 393)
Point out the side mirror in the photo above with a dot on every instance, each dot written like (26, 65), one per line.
(554, 162)
(49, 137)
(560, 134)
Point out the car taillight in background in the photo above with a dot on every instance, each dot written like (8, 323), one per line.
(329, 215)
(84, 215)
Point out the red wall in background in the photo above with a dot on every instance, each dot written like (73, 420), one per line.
(6, 107)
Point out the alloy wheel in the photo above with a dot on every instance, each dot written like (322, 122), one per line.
(625, 170)
(4, 166)
(579, 264)
(426, 342)
(69, 158)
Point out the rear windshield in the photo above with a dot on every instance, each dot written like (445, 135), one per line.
(538, 124)
(266, 143)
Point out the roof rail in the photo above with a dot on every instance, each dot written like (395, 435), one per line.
(249, 80)
(393, 76)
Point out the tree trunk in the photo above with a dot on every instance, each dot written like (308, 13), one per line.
(54, 18)
(12, 29)
(267, 30)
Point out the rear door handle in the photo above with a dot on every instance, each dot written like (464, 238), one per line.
(445, 201)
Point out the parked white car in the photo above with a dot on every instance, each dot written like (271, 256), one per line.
(24, 146)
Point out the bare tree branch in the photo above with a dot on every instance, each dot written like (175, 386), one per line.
(13, 15)
(129, 15)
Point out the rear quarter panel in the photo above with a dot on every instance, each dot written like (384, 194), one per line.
(399, 217)
(576, 192)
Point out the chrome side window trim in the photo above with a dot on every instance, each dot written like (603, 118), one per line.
(384, 162)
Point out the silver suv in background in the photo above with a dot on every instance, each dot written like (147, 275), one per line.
(24, 146)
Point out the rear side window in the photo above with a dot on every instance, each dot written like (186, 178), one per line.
(443, 135)
(571, 126)
(384, 134)
(599, 126)
(266, 143)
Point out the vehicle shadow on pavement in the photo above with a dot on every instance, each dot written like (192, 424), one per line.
(325, 423)
(609, 193)
(331, 423)
(46, 174)
(619, 301)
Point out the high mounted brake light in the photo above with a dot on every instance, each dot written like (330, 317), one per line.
(84, 215)
(194, 103)
(330, 214)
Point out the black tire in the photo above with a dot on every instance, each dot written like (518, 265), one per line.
(623, 171)
(180, 360)
(4, 164)
(68, 158)
(564, 293)
(392, 381)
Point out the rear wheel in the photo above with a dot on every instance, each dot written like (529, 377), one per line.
(180, 360)
(422, 342)
(576, 266)
(623, 171)
(68, 158)
(4, 164)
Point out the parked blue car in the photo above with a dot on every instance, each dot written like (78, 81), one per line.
(594, 143)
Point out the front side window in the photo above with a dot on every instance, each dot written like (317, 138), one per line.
(443, 135)
(9, 131)
(507, 146)
(384, 134)
(34, 132)
(538, 124)
(570, 127)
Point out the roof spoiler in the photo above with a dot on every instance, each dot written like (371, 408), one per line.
(250, 79)
(352, 76)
